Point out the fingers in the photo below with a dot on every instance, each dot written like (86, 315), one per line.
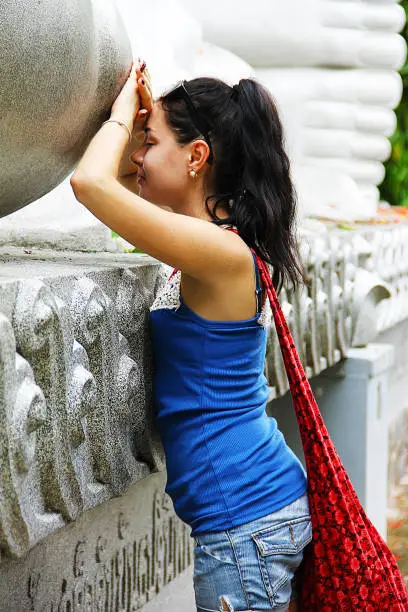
(145, 75)
(145, 83)
(143, 79)
(142, 114)
(145, 94)
(148, 82)
(143, 71)
(146, 100)
(145, 91)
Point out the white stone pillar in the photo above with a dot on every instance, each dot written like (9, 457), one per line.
(353, 400)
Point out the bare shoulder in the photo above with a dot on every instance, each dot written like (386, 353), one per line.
(229, 293)
(237, 260)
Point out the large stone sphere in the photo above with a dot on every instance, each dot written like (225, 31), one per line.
(62, 64)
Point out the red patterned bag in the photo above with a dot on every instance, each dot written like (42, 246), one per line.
(347, 566)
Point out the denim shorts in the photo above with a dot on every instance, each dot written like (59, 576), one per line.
(252, 567)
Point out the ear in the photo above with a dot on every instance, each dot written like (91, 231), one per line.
(199, 152)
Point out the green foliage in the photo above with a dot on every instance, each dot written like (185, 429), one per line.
(134, 250)
(394, 189)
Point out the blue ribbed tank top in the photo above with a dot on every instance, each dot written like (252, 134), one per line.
(227, 462)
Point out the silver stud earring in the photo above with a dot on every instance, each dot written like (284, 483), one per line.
(193, 174)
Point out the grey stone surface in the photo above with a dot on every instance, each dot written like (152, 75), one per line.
(62, 65)
(131, 553)
(178, 596)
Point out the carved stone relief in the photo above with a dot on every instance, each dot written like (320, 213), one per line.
(74, 399)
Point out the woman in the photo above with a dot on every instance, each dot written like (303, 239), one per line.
(212, 159)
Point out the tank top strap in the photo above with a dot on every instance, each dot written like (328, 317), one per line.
(258, 289)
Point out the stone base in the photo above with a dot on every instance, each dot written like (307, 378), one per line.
(178, 596)
(128, 554)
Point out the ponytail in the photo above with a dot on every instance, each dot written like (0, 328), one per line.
(251, 170)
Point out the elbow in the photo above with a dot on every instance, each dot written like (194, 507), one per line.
(83, 186)
(78, 185)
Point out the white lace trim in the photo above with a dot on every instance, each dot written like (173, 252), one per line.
(265, 318)
(168, 296)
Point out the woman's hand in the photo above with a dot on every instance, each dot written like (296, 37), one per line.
(107, 156)
(135, 102)
(146, 99)
(127, 166)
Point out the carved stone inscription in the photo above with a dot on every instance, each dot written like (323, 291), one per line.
(118, 571)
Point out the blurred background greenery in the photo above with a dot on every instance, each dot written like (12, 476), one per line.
(394, 189)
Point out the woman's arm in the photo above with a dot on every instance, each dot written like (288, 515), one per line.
(200, 249)
(190, 244)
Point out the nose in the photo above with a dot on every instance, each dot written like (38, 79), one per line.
(137, 156)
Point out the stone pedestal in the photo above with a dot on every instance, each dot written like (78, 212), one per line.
(62, 65)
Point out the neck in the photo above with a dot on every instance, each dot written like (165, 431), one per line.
(197, 208)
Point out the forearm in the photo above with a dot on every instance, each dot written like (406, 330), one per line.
(129, 181)
(104, 153)
(127, 214)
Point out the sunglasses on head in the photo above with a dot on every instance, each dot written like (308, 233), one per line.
(196, 117)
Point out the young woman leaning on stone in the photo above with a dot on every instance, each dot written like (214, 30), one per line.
(213, 182)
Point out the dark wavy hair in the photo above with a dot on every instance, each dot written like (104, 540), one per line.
(250, 173)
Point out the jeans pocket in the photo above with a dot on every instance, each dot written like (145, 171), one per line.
(280, 552)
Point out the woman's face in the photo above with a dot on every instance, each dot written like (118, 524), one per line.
(162, 164)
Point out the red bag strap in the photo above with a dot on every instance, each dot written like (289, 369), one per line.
(294, 368)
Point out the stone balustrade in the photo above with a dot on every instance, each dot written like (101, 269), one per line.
(76, 368)
(75, 385)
